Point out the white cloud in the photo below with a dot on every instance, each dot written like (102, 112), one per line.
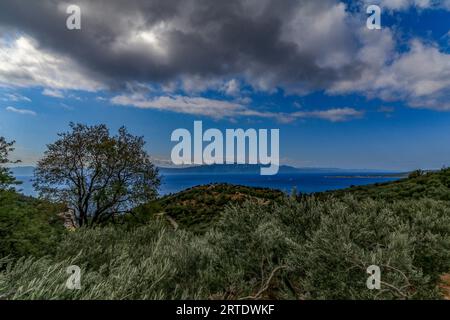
(333, 115)
(66, 107)
(196, 84)
(182, 104)
(218, 109)
(53, 93)
(75, 97)
(407, 4)
(321, 29)
(232, 87)
(420, 76)
(15, 97)
(21, 111)
(24, 64)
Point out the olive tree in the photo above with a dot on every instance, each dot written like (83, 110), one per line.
(96, 174)
(6, 179)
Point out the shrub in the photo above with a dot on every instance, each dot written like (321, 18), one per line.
(311, 249)
(28, 226)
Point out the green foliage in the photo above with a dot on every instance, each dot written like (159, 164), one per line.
(237, 242)
(6, 178)
(97, 175)
(401, 237)
(284, 250)
(150, 262)
(419, 185)
(195, 209)
(416, 174)
(28, 226)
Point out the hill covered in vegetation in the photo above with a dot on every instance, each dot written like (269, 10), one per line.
(290, 250)
(196, 208)
(418, 185)
(232, 242)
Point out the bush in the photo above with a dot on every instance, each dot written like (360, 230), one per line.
(355, 235)
(28, 226)
(308, 250)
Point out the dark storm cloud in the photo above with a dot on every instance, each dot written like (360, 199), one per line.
(191, 46)
(255, 39)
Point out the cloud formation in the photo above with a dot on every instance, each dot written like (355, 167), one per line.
(21, 111)
(219, 109)
(192, 46)
(333, 115)
(420, 76)
(24, 64)
(162, 41)
(408, 4)
(53, 93)
(15, 97)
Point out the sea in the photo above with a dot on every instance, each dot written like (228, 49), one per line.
(286, 182)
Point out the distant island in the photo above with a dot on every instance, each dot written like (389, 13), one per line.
(372, 176)
(255, 169)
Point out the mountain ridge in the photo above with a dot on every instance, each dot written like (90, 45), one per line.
(229, 169)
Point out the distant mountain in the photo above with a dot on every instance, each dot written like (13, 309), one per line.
(223, 169)
(250, 169)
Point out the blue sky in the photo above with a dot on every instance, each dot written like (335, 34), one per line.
(341, 95)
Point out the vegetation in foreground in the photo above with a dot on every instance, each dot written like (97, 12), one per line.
(228, 242)
(291, 250)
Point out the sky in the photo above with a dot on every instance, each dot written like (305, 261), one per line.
(342, 95)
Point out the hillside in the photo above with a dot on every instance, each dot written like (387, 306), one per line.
(419, 185)
(196, 208)
(271, 247)
(254, 251)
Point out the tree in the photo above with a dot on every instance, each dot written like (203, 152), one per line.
(6, 178)
(95, 174)
(416, 174)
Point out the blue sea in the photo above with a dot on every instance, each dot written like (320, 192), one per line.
(303, 182)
